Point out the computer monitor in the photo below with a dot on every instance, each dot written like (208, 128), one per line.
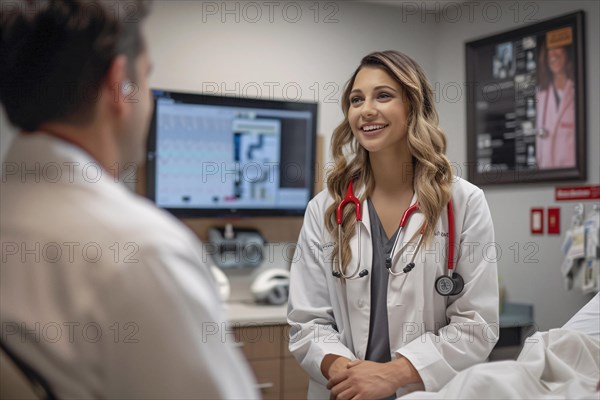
(218, 156)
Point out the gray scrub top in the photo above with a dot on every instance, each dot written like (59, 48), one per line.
(378, 345)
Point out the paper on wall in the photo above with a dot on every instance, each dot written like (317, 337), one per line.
(591, 236)
(577, 249)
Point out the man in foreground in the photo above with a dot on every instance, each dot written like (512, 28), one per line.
(101, 294)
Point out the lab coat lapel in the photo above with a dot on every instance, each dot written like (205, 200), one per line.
(358, 291)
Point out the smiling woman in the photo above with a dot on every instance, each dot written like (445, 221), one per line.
(360, 329)
(374, 107)
(391, 89)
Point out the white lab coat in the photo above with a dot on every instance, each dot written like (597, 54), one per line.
(557, 148)
(105, 295)
(439, 335)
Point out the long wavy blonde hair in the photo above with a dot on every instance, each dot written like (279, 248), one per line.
(432, 177)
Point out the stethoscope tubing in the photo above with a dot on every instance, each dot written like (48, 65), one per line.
(355, 274)
(340, 273)
(403, 221)
(348, 198)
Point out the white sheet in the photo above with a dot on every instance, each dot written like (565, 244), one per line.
(587, 320)
(552, 365)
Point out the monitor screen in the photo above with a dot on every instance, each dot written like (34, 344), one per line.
(228, 156)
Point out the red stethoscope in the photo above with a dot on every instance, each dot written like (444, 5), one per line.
(446, 285)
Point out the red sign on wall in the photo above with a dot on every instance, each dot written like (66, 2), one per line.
(554, 221)
(577, 193)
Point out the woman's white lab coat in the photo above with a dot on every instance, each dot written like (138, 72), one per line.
(439, 335)
(556, 149)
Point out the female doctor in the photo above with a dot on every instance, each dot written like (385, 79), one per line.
(380, 317)
(555, 115)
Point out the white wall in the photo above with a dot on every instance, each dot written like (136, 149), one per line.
(194, 50)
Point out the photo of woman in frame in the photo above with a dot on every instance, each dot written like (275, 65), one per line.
(555, 99)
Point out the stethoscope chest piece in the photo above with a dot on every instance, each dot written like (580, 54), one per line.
(449, 286)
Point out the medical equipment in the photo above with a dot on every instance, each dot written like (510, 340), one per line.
(241, 148)
(271, 286)
(446, 285)
(243, 248)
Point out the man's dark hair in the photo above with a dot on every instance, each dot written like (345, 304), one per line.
(54, 55)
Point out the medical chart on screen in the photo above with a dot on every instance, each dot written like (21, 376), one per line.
(212, 157)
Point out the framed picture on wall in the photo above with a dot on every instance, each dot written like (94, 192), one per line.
(526, 111)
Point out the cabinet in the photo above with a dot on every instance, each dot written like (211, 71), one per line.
(277, 373)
